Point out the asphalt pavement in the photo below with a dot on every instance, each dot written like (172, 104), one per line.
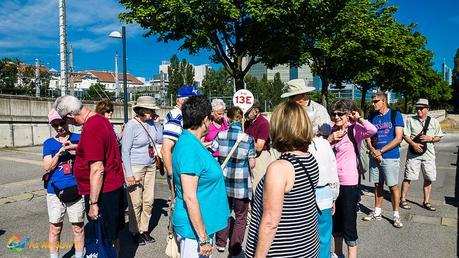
(23, 213)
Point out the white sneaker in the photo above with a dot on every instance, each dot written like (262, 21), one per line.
(397, 222)
(220, 249)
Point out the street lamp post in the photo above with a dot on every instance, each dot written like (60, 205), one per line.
(122, 35)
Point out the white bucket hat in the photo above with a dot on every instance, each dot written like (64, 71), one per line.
(146, 102)
(295, 87)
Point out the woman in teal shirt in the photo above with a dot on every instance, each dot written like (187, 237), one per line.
(201, 205)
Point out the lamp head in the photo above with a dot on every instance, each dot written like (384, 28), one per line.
(115, 34)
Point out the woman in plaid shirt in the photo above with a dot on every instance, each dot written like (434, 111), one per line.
(237, 178)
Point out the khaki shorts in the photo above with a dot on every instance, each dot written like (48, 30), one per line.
(414, 166)
(57, 209)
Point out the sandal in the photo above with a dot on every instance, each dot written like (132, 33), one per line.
(428, 206)
(404, 205)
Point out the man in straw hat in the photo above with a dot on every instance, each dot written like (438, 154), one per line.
(97, 169)
(297, 91)
(421, 132)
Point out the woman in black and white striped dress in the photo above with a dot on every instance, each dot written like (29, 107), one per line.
(284, 214)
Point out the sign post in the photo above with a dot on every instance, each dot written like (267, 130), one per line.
(243, 99)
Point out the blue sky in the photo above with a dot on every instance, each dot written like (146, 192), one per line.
(29, 30)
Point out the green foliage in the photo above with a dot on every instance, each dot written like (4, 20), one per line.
(97, 92)
(232, 30)
(180, 73)
(8, 75)
(217, 83)
(266, 92)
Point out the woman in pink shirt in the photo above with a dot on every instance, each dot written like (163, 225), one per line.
(348, 123)
(219, 122)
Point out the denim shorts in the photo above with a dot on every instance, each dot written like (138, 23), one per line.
(386, 171)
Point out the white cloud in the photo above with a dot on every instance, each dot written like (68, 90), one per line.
(35, 24)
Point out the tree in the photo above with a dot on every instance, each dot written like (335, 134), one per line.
(8, 75)
(97, 92)
(217, 83)
(455, 85)
(265, 31)
(180, 73)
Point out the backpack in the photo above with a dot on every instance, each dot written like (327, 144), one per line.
(350, 134)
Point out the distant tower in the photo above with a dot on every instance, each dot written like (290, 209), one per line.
(63, 47)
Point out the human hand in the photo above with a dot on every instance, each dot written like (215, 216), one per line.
(130, 180)
(355, 116)
(93, 211)
(377, 155)
(336, 136)
(333, 208)
(417, 147)
(205, 250)
(426, 138)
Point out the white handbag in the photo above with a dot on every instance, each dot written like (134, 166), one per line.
(172, 247)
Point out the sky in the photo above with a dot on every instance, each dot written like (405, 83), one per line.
(29, 29)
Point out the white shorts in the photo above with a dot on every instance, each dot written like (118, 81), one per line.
(414, 166)
(57, 209)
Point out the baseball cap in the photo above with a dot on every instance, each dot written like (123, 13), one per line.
(187, 91)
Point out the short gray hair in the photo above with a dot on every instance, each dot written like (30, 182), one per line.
(380, 95)
(218, 104)
(345, 105)
(67, 104)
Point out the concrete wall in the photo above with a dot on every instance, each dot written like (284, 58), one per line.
(24, 120)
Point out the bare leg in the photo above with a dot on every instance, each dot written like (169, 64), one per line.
(338, 245)
(379, 191)
(427, 190)
(352, 251)
(395, 196)
(78, 236)
(405, 187)
(54, 237)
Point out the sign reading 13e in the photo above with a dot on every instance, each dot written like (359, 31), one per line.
(243, 99)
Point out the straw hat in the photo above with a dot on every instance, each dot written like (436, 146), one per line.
(146, 102)
(295, 87)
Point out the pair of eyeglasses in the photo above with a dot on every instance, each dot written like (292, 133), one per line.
(57, 123)
(340, 114)
(375, 101)
(420, 108)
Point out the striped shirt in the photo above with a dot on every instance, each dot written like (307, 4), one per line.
(173, 124)
(297, 234)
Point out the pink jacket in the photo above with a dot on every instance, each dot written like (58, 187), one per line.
(346, 159)
(213, 131)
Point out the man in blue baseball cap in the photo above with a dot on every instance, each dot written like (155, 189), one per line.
(173, 126)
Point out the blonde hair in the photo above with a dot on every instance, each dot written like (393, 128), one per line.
(290, 128)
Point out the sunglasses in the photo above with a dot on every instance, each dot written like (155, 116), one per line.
(57, 123)
(340, 114)
(375, 101)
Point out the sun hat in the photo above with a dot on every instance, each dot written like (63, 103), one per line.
(146, 102)
(187, 91)
(422, 103)
(295, 87)
(53, 115)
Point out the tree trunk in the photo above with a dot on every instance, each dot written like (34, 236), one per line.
(239, 80)
(362, 99)
(406, 103)
(324, 92)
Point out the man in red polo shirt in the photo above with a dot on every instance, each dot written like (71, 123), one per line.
(258, 127)
(98, 169)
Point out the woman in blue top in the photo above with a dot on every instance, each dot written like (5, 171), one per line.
(58, 158)
(201, 205)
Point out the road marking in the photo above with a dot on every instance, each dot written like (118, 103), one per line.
(26, 161)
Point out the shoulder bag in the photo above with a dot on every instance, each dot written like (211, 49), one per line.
(152, 150)
(417, 139)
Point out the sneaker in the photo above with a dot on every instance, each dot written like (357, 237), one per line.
(138, 239)
(220, 249)
(333, 255)
(398, 222)
(147, 238)
(372, 217)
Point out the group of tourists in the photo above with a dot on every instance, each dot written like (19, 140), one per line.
(292, 181)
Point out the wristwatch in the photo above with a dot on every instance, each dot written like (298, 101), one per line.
(205, 242)
(91, 202)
